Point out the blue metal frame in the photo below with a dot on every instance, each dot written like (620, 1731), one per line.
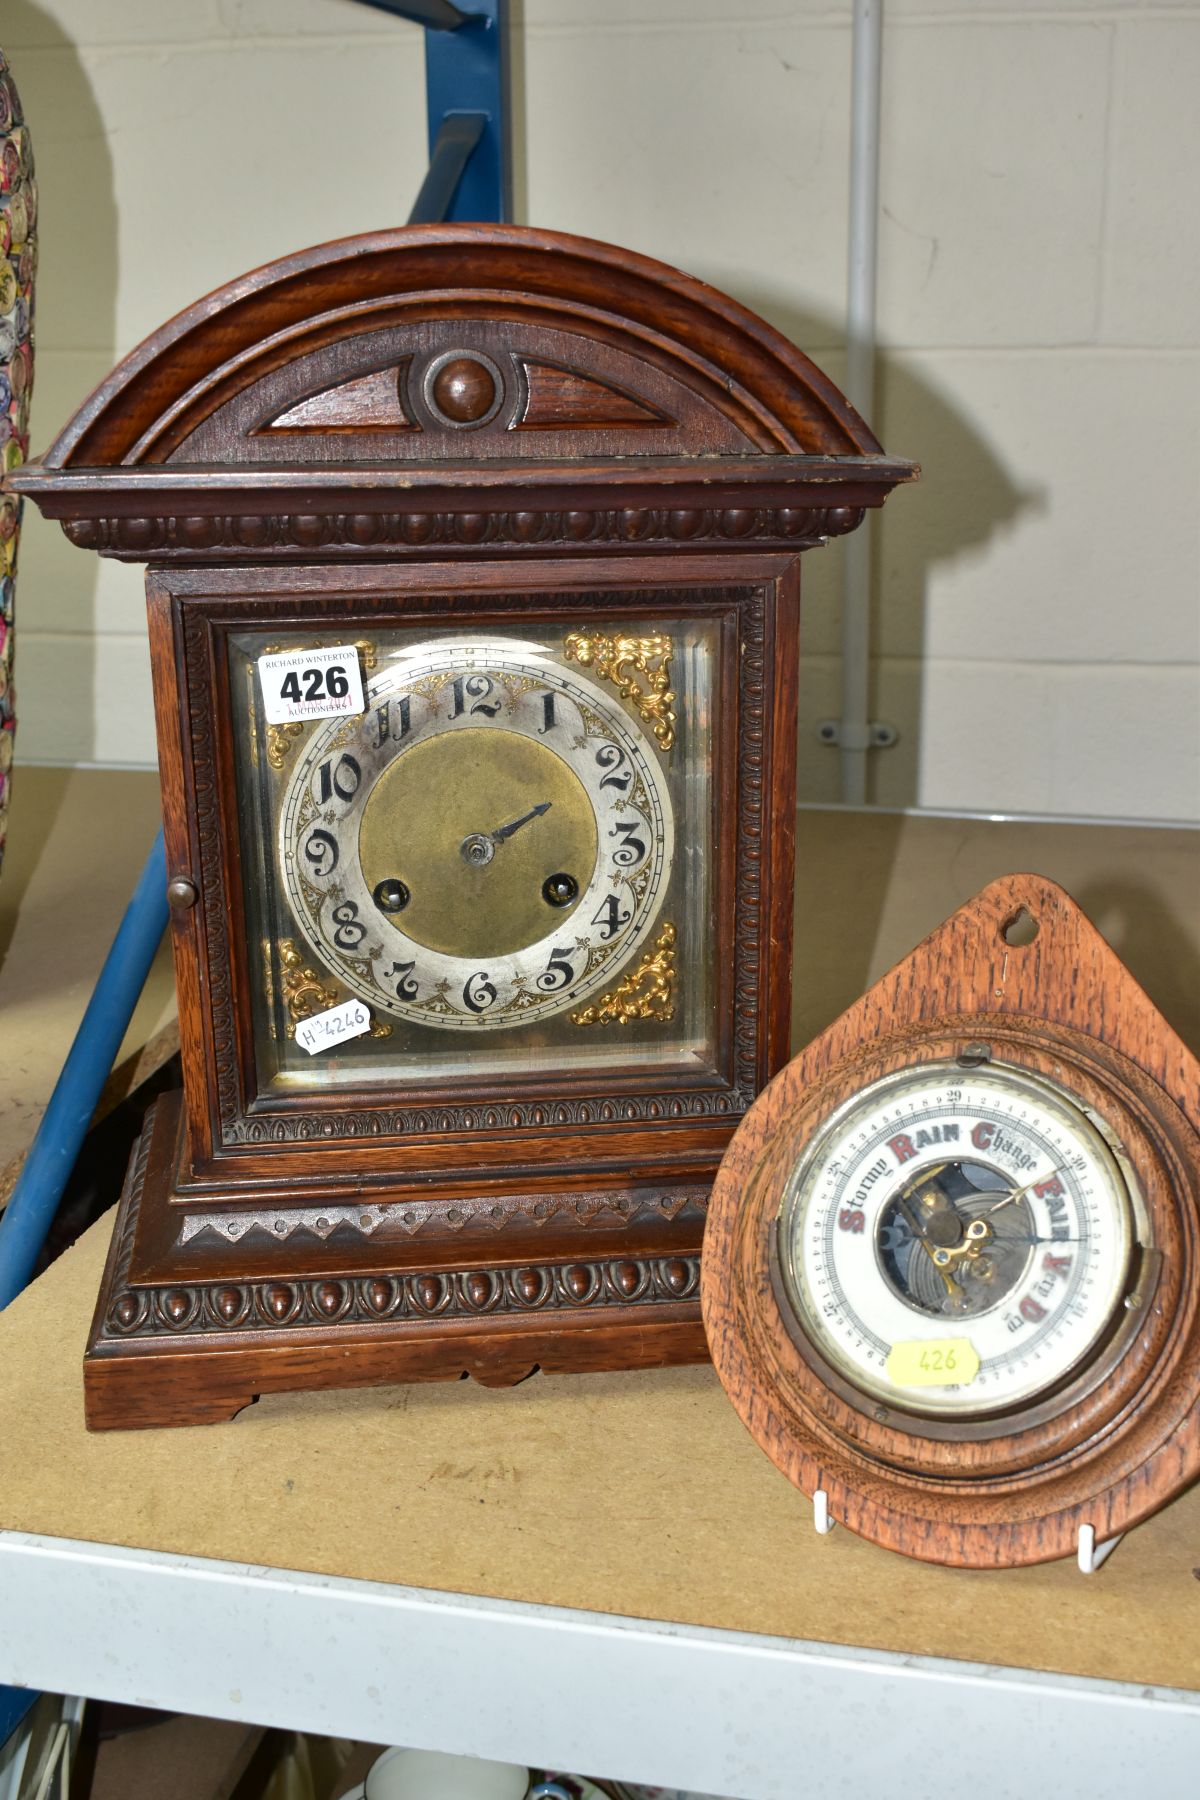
(466, 72)
(458, 137)
(14, 1704)
(29, 1214)
(466, 94)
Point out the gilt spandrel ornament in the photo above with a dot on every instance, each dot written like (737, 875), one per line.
(303, 991)
(639, 669)
(647, 992)
(281, 741)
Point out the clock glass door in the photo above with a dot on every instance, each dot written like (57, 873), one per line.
(504, 858)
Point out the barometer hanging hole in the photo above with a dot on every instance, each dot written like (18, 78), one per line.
(1020, 929)
(391, 895)
(559, 890)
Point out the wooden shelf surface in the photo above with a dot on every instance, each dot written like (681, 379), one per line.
(636, 1494)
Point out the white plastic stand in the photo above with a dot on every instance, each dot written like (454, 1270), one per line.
(1092, 1554)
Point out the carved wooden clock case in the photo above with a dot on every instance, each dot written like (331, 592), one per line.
(548, 497)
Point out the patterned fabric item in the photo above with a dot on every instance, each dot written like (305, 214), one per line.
(18, 212)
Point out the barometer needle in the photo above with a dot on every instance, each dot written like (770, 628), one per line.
(506, 831)
(1003, 1242)
(1018, 1192)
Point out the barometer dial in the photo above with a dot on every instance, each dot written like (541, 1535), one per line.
(970, 1224)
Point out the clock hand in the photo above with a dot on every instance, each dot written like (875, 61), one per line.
(479, 848)
(506, 831)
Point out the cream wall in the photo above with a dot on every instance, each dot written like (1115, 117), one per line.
(1038, 604)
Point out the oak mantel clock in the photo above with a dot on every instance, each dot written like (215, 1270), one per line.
(473, 558)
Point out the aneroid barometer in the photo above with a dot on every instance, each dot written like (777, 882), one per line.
(951, 1272)
(473, 615)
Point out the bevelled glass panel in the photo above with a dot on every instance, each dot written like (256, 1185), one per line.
(506, 858)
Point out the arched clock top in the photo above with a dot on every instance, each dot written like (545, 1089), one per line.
(431, 342)
(448, 390)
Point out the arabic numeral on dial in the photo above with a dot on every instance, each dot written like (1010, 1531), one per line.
(631, 850)
(476, 689)
(406, 987)
(321, 851)
(610, 918)
(350, 931)
(340, 778)
(478, 992)
(613, 758)
(558, 973)
(393, 720)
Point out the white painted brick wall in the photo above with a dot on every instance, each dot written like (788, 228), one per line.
(1038, 597)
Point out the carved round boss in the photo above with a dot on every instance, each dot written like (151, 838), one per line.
(463, 388)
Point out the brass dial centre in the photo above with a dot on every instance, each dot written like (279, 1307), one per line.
(437, 811)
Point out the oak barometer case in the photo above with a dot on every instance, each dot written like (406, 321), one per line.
(473, 615)
(951, 1277)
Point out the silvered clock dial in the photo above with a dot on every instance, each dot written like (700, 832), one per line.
(485, 845)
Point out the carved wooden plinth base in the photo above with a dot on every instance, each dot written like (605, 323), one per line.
(185, 1351)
